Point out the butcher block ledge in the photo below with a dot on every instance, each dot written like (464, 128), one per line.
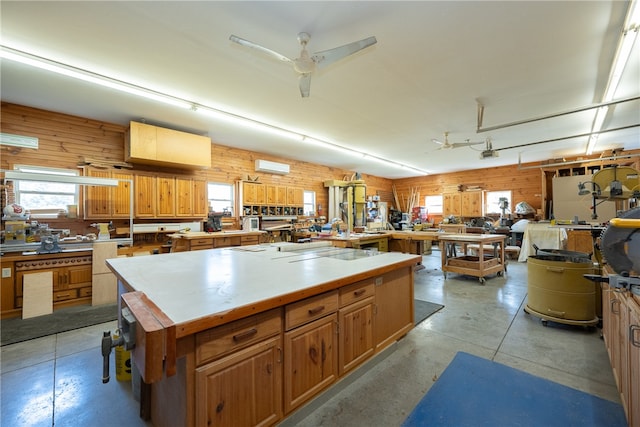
(246, 335)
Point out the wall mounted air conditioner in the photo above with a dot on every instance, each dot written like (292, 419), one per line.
(271, 167)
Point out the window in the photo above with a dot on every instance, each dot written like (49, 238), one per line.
(493, 202)
(220, 197)
(433, 204)
(42, 198)
(310, 203)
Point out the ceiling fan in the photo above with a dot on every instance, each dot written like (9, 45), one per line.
(305, 65)
(448, 145)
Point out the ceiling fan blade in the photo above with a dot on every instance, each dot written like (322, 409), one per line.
(464, 144)
(263, 49)
(330, 56)
(305, 84)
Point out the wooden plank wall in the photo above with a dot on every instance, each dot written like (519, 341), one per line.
(65, 140)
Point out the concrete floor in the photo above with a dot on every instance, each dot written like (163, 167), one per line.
(57, 379)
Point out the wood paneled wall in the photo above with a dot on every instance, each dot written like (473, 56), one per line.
(66, 140)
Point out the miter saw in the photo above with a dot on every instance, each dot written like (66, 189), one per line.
(620, 246)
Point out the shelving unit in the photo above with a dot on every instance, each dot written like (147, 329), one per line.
(261, 199)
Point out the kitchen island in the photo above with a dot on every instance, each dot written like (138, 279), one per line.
(246, 335)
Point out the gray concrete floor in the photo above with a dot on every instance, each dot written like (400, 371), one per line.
(58, 379)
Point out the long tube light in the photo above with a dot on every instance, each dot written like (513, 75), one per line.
(65, 179)
(623, 52)
(91, 77)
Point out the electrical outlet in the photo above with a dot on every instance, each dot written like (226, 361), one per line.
(6, 272)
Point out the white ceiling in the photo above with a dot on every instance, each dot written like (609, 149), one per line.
(433, 60)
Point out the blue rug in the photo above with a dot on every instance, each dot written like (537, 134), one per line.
(478, 392)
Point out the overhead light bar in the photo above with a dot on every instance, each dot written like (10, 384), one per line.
(623, 52)
(65, 179)
(91, 77)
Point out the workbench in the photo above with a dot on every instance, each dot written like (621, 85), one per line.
(479, 266)
(199, 240)
(246, 335)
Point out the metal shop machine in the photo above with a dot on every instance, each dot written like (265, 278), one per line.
(348, 201)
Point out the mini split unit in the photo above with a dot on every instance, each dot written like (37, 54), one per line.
(272, 167)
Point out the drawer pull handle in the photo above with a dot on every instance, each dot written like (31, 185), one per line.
(314, 311)
(359, 292)
(244, 335)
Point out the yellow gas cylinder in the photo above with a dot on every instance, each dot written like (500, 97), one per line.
(123, 361)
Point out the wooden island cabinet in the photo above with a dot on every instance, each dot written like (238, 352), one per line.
(245, 336)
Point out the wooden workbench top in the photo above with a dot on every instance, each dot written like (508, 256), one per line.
(202, 289)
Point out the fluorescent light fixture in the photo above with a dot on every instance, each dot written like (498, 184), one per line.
(623, 52)
(91, 77)
(87, 76)
(65, 179)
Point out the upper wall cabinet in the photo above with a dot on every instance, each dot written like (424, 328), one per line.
(154, 145)
(108, 202)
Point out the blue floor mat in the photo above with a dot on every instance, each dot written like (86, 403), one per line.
(478, 392)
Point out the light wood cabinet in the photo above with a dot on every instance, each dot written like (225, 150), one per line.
(580, 241)
(311, 360)
(451, 204)
(243, 389)
(465, 204)
(239, 378)
(155, 145)
(72, 278)
(165, 197)
(621, 333)
(145, 196)
(268, 199)
(356, 334)
(103, 202)
(472, 204)
(191, 198)
(391, 318)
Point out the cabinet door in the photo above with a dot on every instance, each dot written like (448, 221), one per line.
(356, 334)
(472, 203)
(121, 196)
(393, 312)
(272, 193)
(451, 204)
(243, 389)
(145, 196)
(166, 198)
(311, 360)
(200, 199)
(142, 141)
(281, 195)
(184, 200)
(77, 276)
(634, 362)
(97, 198)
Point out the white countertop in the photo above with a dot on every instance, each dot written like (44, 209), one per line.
(187, 286)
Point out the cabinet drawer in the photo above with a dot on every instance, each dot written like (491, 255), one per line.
(309, 309)
(201, 247)
(197, 244)
(65, 295)
(225, 339)
(356, 292)
(85, 292)
(249, 240)
(223, 242)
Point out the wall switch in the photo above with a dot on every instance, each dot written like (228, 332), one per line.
(6, 272)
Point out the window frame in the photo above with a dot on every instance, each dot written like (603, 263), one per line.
(313, 205)
(231, 201)
(487, 203)
(51, 212)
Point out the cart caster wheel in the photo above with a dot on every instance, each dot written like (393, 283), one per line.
(499, 273)
(482, 280)
(545, 323)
